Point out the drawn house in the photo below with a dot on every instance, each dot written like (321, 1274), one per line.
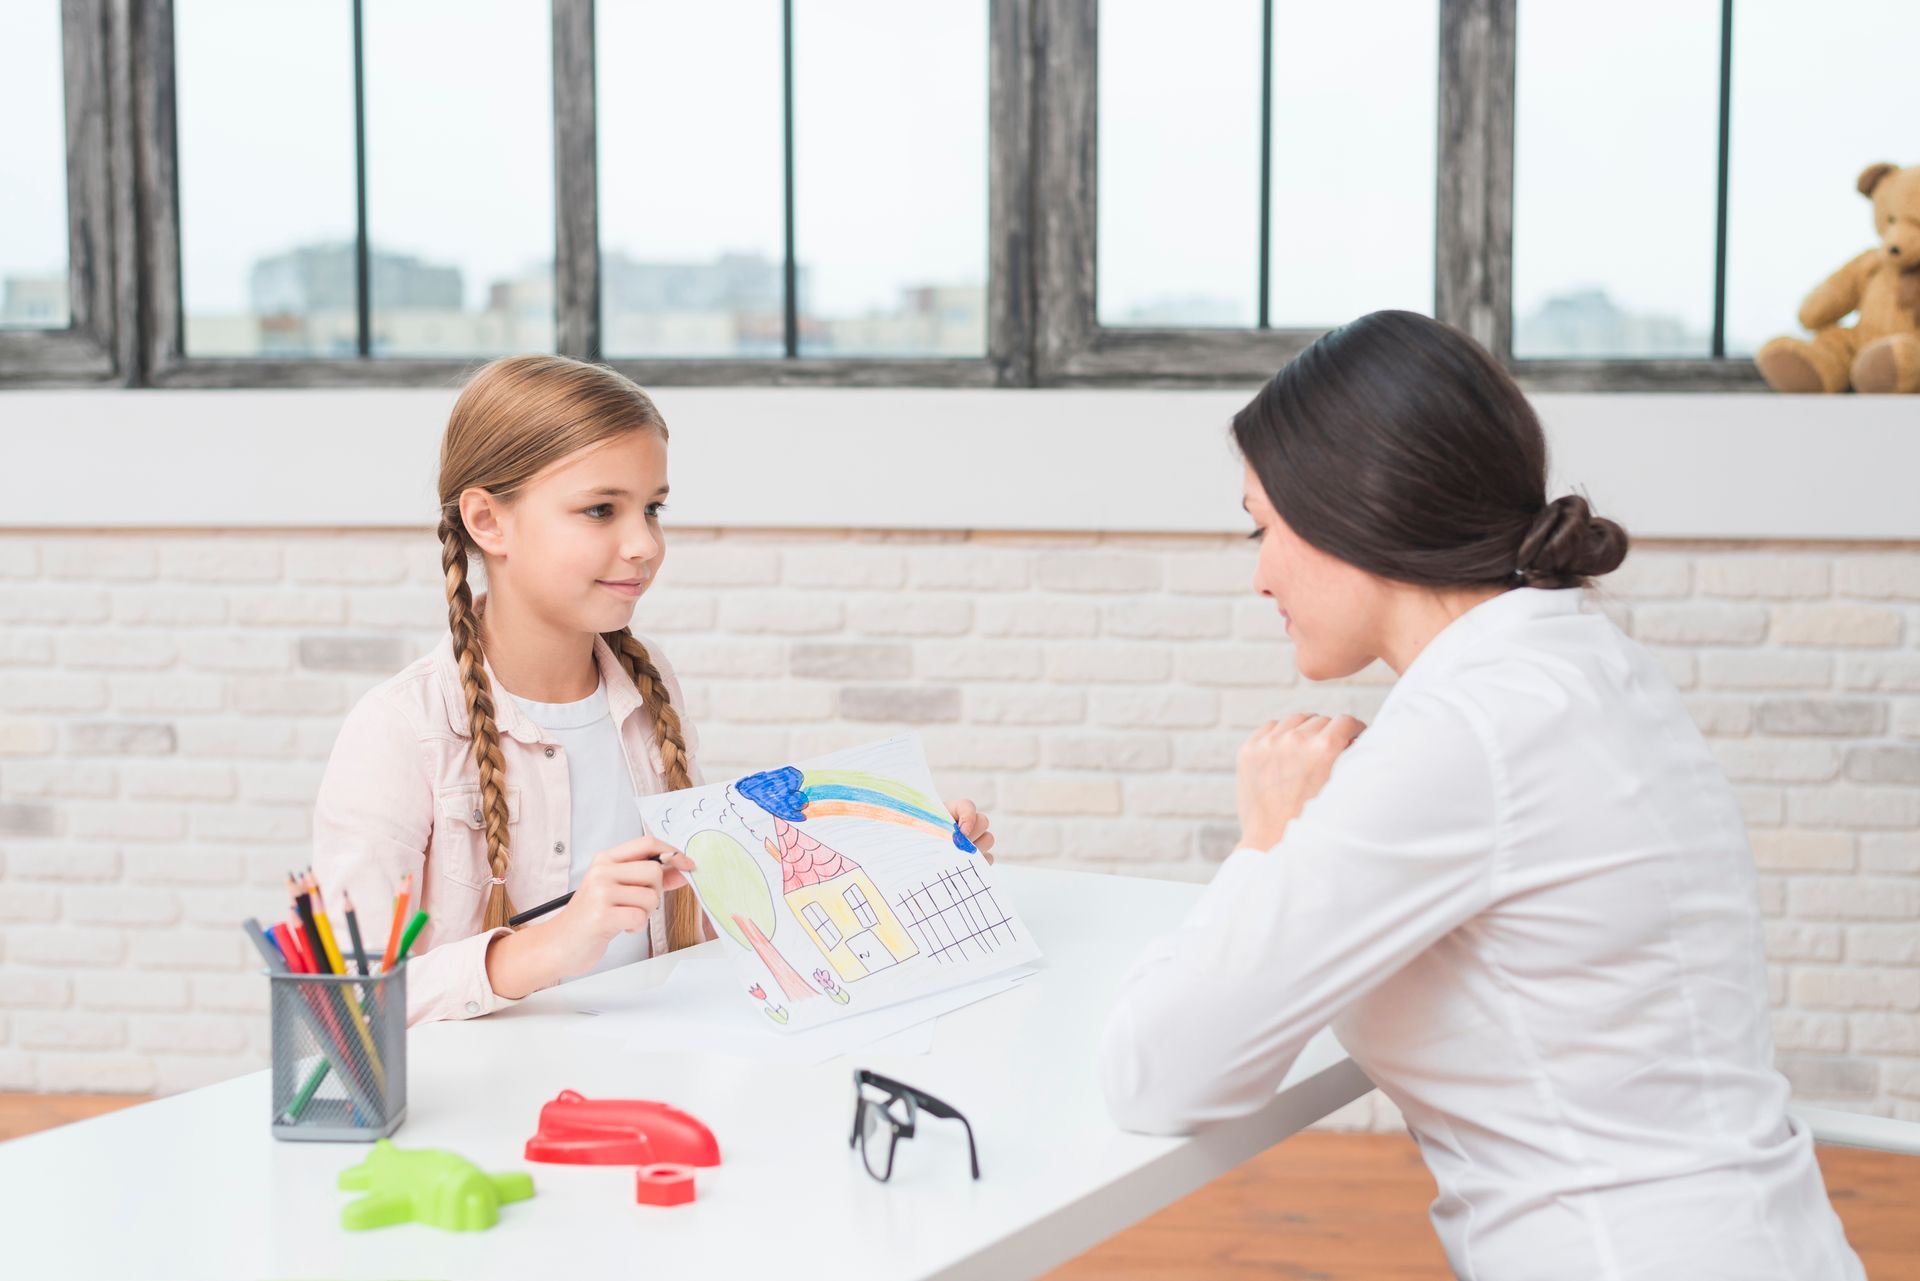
(838, 905)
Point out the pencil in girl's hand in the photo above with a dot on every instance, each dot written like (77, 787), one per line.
(353, 931)
(388, 959)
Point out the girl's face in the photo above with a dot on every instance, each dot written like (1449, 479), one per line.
(581, 541)
(1329, 606)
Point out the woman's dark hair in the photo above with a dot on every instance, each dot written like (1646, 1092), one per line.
(1401, 447)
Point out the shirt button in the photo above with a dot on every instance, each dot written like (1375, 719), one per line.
(473, 1007)
(476, 816)
(549, 753)
(559, 847)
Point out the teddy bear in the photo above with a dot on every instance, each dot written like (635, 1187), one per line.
(1880, 352)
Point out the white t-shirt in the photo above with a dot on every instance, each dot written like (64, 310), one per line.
(601, 809)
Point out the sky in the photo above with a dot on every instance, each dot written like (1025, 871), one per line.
(1614, 164)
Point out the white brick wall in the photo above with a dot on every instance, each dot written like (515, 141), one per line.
(167, 702)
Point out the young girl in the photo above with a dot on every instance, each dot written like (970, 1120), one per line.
(498, 771)
(1523, 898)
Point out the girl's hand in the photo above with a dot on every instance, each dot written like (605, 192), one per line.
(1282, 767)
(973, 826)
(622, 888)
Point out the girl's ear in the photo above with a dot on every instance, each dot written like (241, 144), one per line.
(481, 513)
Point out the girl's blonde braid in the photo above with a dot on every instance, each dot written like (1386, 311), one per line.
(683, 909)
(486, 734)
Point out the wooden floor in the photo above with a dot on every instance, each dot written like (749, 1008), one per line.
(1320, 1207)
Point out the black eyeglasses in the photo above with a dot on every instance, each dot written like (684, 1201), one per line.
(884, 1112)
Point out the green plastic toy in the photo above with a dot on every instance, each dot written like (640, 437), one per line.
(426, 1185)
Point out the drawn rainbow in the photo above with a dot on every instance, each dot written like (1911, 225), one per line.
(795, 796)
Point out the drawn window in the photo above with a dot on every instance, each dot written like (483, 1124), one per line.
(817, 918)
(862, 909)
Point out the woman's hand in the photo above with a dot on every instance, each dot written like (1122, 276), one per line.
(1282, 767)
(973, 826)
(622, 887)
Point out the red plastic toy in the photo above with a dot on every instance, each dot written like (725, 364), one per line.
(664, 1184)
(576, 1130)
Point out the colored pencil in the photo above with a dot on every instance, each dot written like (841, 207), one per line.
(353, 932)
(399, 922)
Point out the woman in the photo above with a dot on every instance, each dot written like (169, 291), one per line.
(1523, 897)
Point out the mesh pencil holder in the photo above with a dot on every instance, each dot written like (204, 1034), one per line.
(339, 1055)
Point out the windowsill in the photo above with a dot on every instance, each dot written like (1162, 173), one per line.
(1694, 466)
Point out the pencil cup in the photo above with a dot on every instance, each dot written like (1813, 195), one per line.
(339, 1055)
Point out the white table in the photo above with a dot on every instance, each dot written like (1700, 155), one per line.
(193, 1185)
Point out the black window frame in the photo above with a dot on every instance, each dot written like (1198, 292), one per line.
(1042, 325)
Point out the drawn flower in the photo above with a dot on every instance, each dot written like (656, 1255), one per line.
(757, 992)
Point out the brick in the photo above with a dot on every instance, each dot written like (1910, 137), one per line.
(122, 738)
(781, 612)
(1818, 1076)
(422, 609)
(282, 782)
(1897, 672)
(1265, 666)
(718, 656)
(1879, 576)
(1693, 623)
(117, 559)
(966, 568)
(1118, 751)
(1227, 572)
(251, 823)
(1843, 805)
(119, 905)
(1762, 575)
(352, 653)
(131, 990)
(1650, 576)
(26, 649)
(250, 739)
(1839, 718)
(1865, 625)
(1883, 944)
(1834, 988)
(1681, 667)
(62, 861)
(219, 947)
(221, 560)
(187, 1033)
(57, 693)
(1765, 669)
(121, 821)
(1884, 765)
(985, 749)
(287, 695)
(287, 607)
(1082, 571)
(1883, 1033)
(1127, 839)
(61, 606)
(23, 904)
(1777, 761)
(25, 738)
(62, 779)
(19, 557)
(1799, 941)
(908, 615)
(1167, 620)
(1720, 716)
(1258, 620)
(169, 605)
(1859, 898)
(1792, 850)
(180, 781)
(331, 559)
(69, 1030)
(65, 945)
(721, 564)
(841, 565)
(1109, 662)
(22, 989)
(29, 820)
(236, 652)
(780, 704)
(1155, 708)
(1071, 796)
(1823, 1033)
(976, 660)
(1890, 851)
(1037, 617)
(173, 692)
(1183, 798)
(230, 993)
(850, 660)
(902, 704)
(96, 1072)
(1015, 705)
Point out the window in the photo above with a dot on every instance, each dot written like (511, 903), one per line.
(33, 171)
(862, 909)
(823, 927)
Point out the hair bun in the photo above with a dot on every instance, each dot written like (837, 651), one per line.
(1567, 544)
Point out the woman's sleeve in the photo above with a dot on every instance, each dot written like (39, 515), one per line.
(1395, 852)
(372, 822)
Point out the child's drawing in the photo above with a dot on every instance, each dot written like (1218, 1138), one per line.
(860, 852)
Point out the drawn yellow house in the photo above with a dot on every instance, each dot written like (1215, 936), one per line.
(838, 905)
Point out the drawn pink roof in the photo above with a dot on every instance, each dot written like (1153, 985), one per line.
(804, 860)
